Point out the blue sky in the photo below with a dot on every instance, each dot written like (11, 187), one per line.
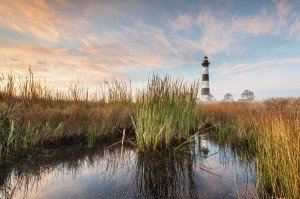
(251, 44)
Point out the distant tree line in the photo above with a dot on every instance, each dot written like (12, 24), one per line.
(246, 96)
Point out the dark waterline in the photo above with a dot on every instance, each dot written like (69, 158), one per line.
(201, 170)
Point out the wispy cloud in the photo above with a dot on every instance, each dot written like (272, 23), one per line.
(283, 10)
(294, 30)
(245, 68)
(34, 17)
(183, 22)
(220, 32)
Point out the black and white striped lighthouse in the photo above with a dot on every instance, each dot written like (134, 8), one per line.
(205, 93)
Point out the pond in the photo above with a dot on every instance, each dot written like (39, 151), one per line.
(202, 169)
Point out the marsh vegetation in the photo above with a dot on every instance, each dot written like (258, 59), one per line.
(161, 117)
(270, 131)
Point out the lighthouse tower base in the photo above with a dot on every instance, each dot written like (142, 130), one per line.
(205, 98)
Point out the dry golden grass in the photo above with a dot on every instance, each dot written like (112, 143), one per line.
(32, 114)
(271, 130)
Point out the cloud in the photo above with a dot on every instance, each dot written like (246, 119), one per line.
(283, 9)
(256, 25)
(288, 17)
(137, 46)
(221, 32)
(34, 17)
(217, 34)
(63, 3)
(57, 65)
(294, 30)
(245, 68)
(183, 22)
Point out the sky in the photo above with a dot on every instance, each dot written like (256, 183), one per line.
(251, 45)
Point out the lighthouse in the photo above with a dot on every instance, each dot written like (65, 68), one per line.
(205, 93)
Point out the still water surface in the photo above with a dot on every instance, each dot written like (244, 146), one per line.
(203, 169)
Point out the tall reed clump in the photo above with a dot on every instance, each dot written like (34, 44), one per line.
(270, 130)
(165, 113)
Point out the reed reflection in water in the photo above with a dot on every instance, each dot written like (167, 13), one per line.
(201, 170)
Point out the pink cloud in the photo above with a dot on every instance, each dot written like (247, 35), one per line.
(36, 18)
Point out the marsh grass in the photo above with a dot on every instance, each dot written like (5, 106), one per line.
(166, 113)
(278, 153)
(270, 131)
(33, 114)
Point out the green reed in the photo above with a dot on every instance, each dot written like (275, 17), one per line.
(165, 113)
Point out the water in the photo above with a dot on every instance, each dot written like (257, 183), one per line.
(203, 169)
